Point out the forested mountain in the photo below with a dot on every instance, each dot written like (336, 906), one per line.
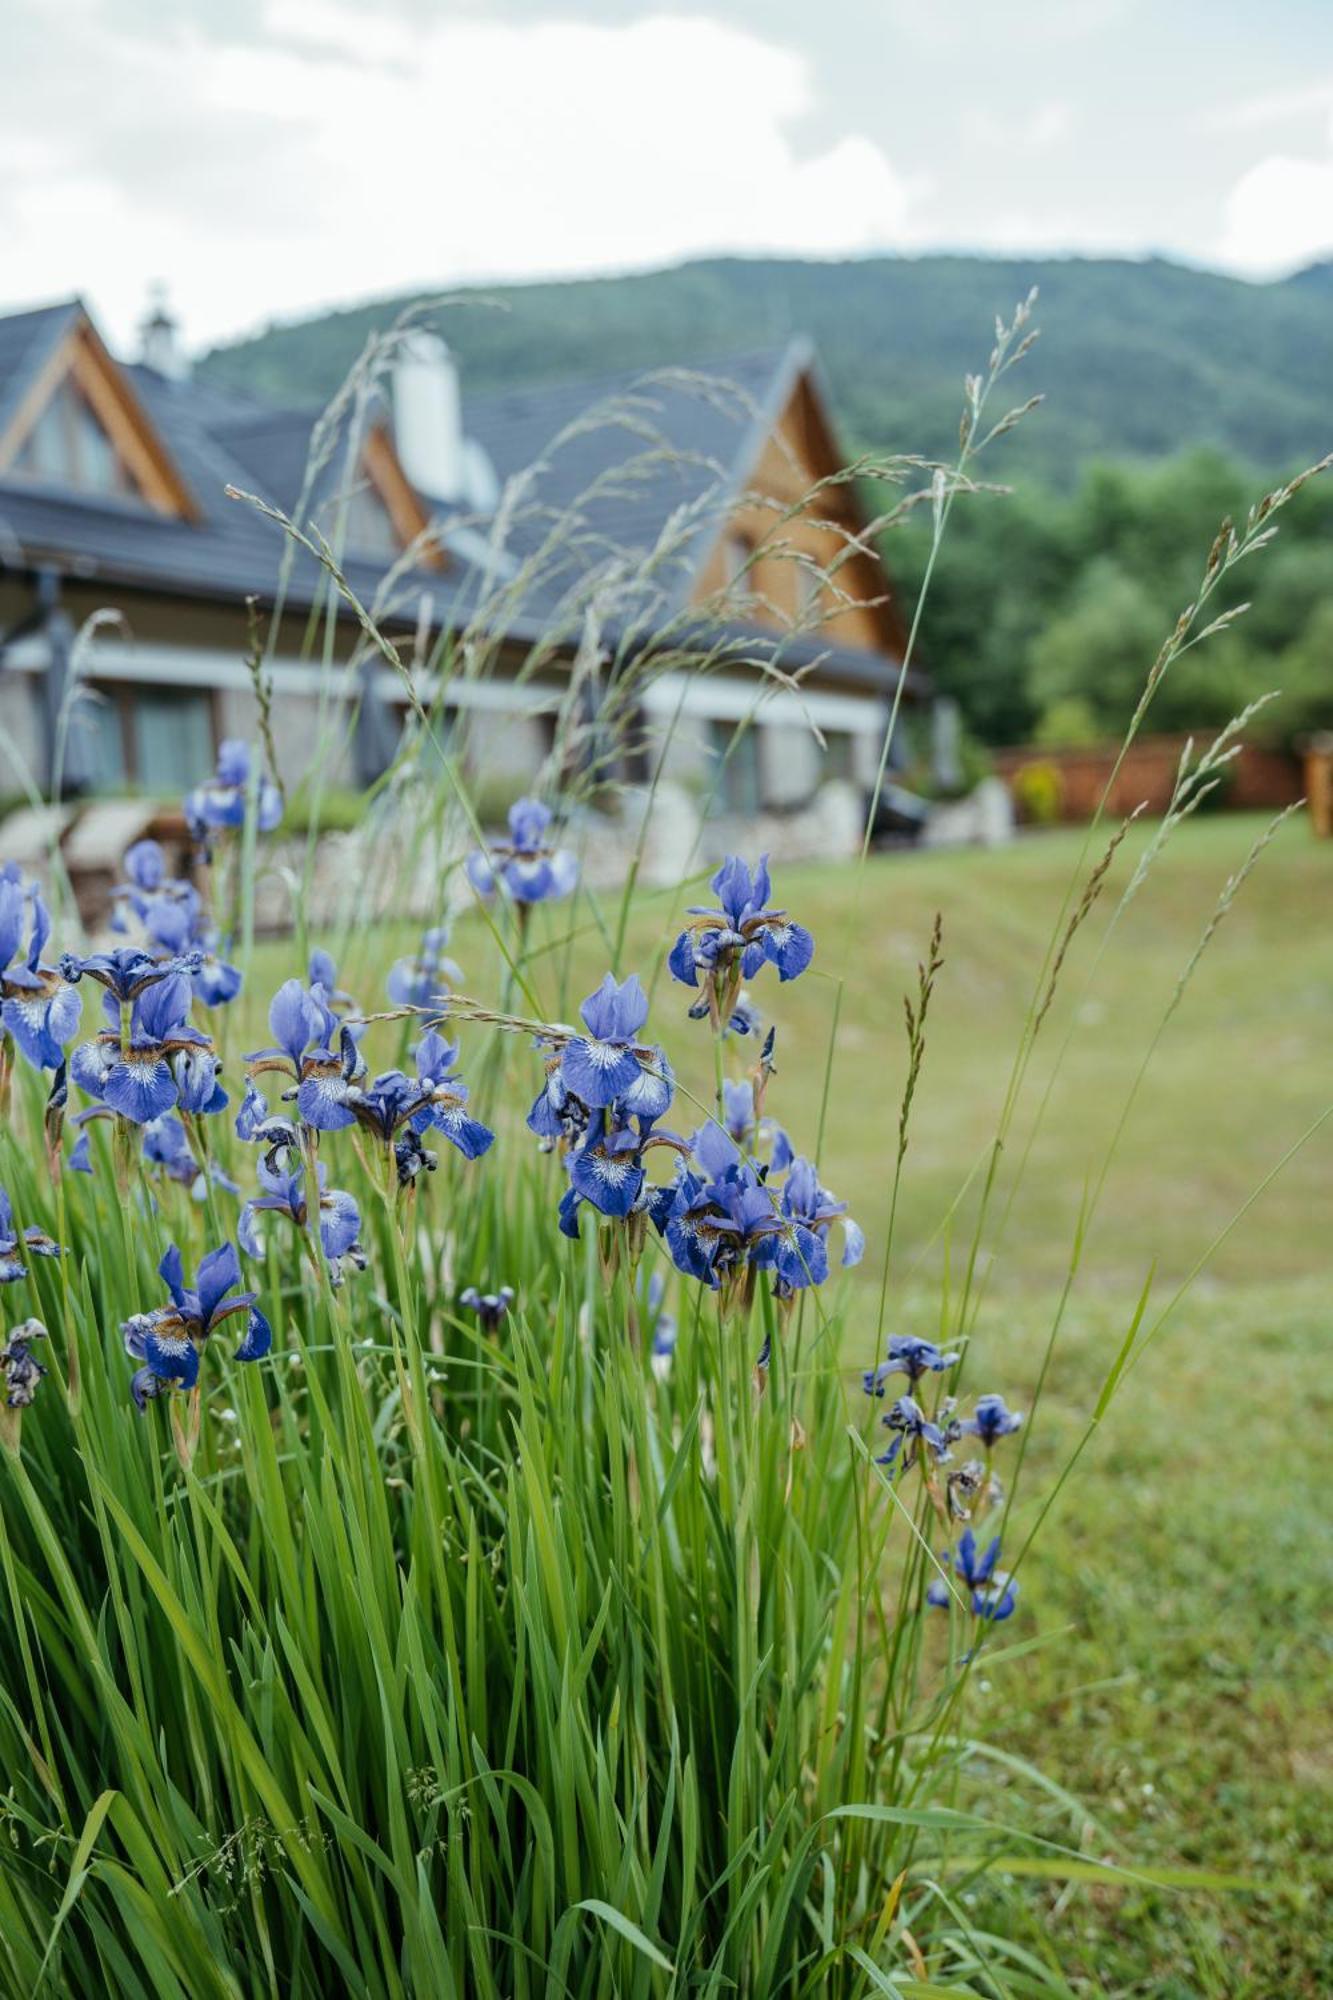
(1137, 359)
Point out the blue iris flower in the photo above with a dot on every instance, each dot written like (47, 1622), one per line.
(12, 1247)
(171, 913)
(284, 1193)
(433, 1100)
(169, 1339)
(39, 1009)
(603, 1096)
(992, 1421)
(165, 1145)
(445, 1107)
(811, 1211)
(417, 982)
(387, 1104)
(526, 866)
(491, 1308)
(717, 1215)
(732, 942)
(220, 803)
(723, 1211)
(994, 1592)
(750, 1132)
(608, 1062)
(304, 1028)
(607, 1170)
(19, 1366)
(298, 1019)
(909, 1356)
(163, 1065)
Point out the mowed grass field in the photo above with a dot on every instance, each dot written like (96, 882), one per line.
(1179, 1596)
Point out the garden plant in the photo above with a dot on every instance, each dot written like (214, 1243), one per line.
(474, 1520)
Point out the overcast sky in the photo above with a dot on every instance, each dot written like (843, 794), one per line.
(268, 157)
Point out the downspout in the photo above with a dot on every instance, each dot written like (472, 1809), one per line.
(59, 629)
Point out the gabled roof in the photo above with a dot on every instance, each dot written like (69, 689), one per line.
(59, 345)
(627, 464)
(28, 340)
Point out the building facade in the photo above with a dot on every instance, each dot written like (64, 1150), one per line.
(678, 557)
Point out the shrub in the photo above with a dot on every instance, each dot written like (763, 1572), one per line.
(1039, 793)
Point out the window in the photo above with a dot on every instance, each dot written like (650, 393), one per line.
(97, 739)
(67, 446)
(839, 756)
(736, 778)
(738, 568)
(172, 732)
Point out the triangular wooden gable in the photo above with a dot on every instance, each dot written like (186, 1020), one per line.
(79, 382)
(767, 532)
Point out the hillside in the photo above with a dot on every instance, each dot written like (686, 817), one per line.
(1136, 359)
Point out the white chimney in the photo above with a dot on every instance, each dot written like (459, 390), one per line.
(160, 344)
(428, 417)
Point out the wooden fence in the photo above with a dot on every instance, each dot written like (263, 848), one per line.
(1067, 785)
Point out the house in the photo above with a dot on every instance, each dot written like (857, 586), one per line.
(643, 546)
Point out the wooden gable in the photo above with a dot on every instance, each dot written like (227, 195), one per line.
(780, 519)
(81, 425)
(400, 500)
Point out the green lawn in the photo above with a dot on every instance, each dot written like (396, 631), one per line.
(1180, 1589)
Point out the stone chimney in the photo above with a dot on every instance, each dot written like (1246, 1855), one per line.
(439, 459)
(159, 340)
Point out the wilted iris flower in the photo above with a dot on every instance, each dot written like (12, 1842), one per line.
(12, 1246)
(284, 1193)
(745, 1018)
(911, 1426)
(127, 972)
(168, 1340)
(909, 1356)
(526, 866)
(221, 801)
(40, 1010)
(994, 1592)
(19, 1366)
(731, 943)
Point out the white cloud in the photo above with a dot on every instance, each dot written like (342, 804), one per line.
(344, 155)
(1279, 215)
